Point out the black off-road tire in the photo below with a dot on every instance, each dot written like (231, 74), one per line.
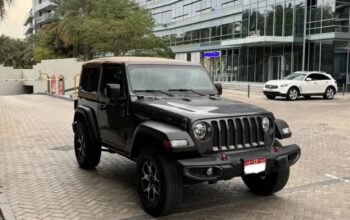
(169, 186)
(87, 152)
(329, 93)
(270, 96)
(293, 94)
(267, 184)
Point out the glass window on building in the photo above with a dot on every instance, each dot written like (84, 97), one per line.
(245, 23)
(327, 56)
(227, 31)
(279, 17)
(328, 16)
(342, 16)
(340, 58)
(288, 18)
(269, 20)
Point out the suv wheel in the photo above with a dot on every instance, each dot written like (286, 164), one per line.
(88, 153)
(267, 184)
(292, 94)
(329, 93)
(159, 182)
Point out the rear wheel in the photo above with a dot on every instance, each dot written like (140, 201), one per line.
(267, 184)
(292, 94)
(329, 93)
(87, 152)
(159, 182)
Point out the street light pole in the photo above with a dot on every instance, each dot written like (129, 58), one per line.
(304, 36)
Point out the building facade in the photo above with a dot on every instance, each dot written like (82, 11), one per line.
(38, 15)
(257, 40)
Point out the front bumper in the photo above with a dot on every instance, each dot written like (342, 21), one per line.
(275, 93)
(195, 168)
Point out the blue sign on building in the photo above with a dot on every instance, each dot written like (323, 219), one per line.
(212, 54)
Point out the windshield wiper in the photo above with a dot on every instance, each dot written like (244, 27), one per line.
(154, 91)
(186, 90)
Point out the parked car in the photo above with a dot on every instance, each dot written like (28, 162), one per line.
(169, 118)
(300, 83)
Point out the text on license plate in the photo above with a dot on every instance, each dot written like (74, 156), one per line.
(257, 165)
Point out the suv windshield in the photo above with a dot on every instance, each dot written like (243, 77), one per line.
(296, 76)
(147, 78)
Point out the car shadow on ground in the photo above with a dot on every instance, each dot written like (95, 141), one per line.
(299, 99)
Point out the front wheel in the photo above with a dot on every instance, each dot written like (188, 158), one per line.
(292, 94)
(87, 152)
(267, 184)
(329, 93)
(159, 182)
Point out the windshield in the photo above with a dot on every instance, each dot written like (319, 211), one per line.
(169, 78)
(296, 76)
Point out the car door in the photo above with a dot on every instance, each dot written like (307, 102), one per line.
(112, 117)
(307, 85)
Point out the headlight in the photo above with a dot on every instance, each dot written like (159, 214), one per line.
(267, 125)
(202, 130)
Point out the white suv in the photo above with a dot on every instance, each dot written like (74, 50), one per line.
(302, 83)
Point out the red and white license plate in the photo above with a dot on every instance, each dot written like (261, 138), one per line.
(252, 166)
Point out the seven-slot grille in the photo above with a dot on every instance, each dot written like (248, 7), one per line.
(237, 133)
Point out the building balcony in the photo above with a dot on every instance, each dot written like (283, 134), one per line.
(45, 6)
(29, 18)
(29, 29)
(44, 18)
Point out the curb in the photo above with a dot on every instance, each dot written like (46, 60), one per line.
(5, 208)
(57, 96)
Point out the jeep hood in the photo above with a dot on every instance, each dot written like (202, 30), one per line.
(196, 109)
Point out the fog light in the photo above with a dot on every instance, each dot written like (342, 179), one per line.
(179, 143)
(210, 171)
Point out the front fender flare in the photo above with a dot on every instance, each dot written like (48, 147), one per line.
(282, 130)
(162, 132)
(89, 118)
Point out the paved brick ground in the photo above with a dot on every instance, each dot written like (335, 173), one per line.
(41, 179)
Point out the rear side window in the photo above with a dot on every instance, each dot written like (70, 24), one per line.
(90, 79)
(322, 77)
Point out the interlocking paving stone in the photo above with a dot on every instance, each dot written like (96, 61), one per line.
(41, 179)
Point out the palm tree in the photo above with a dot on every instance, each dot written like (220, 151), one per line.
(2, 7)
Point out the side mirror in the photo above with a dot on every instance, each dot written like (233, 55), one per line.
(113, 91)
(308, 79)
(219, 88)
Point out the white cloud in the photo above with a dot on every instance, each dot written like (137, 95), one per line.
(12, 25)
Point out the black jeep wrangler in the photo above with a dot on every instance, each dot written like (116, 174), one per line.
(168, 116)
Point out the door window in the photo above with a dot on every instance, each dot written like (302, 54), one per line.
(89, 80)
(112, 74)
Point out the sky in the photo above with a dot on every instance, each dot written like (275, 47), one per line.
(12, 25)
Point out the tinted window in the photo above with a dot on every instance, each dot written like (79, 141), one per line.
(111, 75)
(318, 77)
(322, 77)
(90, 79)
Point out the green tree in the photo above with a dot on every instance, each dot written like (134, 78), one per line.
(3, 3)
(15, 52)
(88, 27)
